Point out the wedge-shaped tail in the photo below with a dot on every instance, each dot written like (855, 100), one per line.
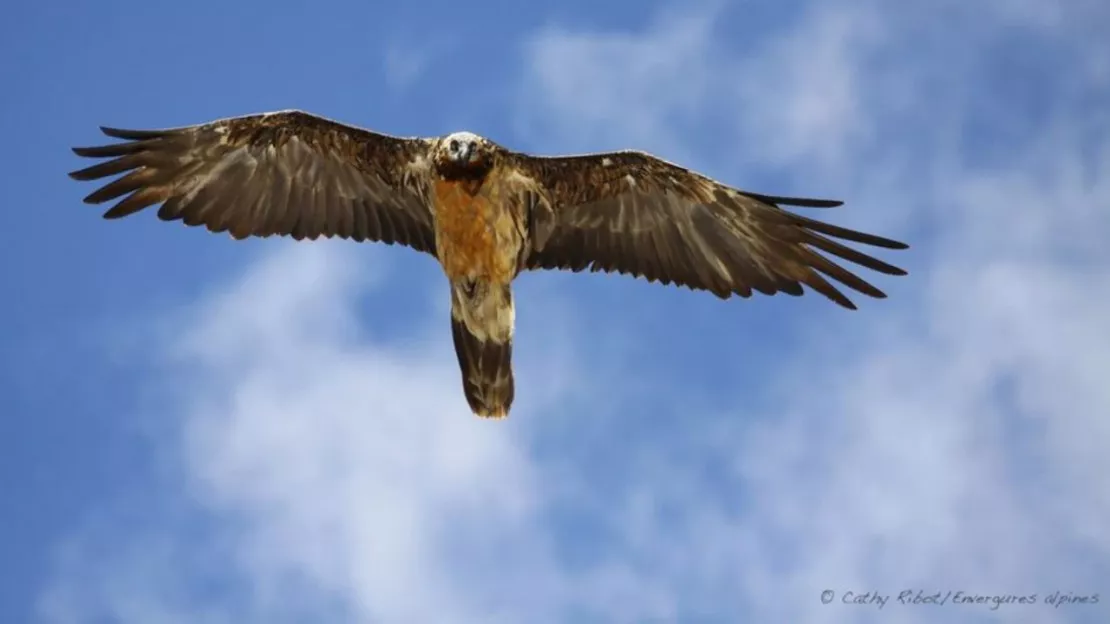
(487, 372)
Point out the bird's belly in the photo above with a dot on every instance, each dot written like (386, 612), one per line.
(476, 238)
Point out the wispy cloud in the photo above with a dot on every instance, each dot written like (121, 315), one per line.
(599, 88)
(952, 440)
(348, 474)
(954, 445)
(406, 63)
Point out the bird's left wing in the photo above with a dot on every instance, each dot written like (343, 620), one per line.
(285, 173)
(630, 212)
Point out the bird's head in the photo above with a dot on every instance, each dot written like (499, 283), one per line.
(463, 152)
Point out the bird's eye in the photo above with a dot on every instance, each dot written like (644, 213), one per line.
(454, 145)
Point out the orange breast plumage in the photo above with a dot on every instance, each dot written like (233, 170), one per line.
(465, 241)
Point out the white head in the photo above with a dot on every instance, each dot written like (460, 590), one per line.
(462, 150)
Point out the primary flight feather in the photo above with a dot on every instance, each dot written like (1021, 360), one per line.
(484, 212)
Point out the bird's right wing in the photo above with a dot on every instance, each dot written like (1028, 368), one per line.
(287, 173)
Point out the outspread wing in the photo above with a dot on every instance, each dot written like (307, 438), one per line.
(286, 173)
(630, 212)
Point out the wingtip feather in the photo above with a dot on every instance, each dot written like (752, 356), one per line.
(131, 134)
(887, 243)
(801, 202)
(816, 203)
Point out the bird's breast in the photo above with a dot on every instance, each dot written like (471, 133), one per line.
(476, 235)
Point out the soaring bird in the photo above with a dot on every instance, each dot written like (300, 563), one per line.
(485, 212)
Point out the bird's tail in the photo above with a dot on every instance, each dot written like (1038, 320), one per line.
(485, 358)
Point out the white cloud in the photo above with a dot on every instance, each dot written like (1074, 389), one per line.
(405, 62)
(764, 98)
(954, 440)
(353, 473)
(802, 95)
(600, 88)
(960, 443)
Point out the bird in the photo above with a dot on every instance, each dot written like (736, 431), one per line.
(484, 212)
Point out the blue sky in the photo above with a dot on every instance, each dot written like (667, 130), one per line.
(196, 429)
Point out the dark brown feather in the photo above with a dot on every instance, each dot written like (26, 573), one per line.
(487, 371)
(630, 212)
(287, 173)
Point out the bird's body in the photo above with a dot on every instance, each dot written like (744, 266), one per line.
(484, 212)
(481, 232)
